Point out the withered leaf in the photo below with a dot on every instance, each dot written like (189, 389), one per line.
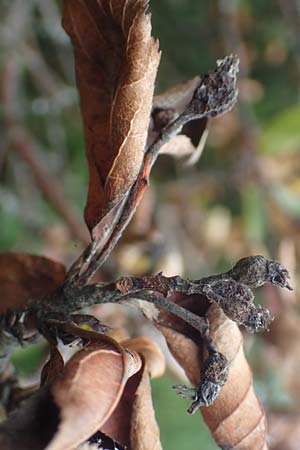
(144, 432)
(70, 408)
(53, 368)
(214, 94)
(153, 355)
(116, 60)
(89, 390)
(236, 418)
(24, 277)
(133, 421)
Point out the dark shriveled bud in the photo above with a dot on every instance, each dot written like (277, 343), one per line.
(236, 300)
(214, 375)
(256, 319)
(255, 271)
(205, 394)
(217, 92)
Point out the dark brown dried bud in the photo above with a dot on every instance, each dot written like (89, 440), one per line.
(217, 92)
(214, 375)
(228, 292)
(255, 318)
(236, 299)
(254, 271)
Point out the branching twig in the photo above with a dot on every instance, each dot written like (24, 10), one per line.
(230, 290)
(215, 95)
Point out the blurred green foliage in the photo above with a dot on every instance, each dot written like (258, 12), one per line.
(28, 360)
(282, 134)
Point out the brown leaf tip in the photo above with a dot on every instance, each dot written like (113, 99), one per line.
(217, 92)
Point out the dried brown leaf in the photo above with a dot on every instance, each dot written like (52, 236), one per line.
(53, 368)
(151, 352)
(89, 390)
(236, 418)
(133, 421)
(24, 277)
(66, 412)
(144, 432)
(116, 60)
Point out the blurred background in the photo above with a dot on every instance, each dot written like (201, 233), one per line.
(241, 198)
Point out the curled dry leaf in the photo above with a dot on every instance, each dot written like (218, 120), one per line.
(53, 368)
(241, 421)
(24, 277)
(133, 422)
(151, 352)
(144, 432)
(70, 408)
(236, 418)
(89, 390)
(116, 60)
